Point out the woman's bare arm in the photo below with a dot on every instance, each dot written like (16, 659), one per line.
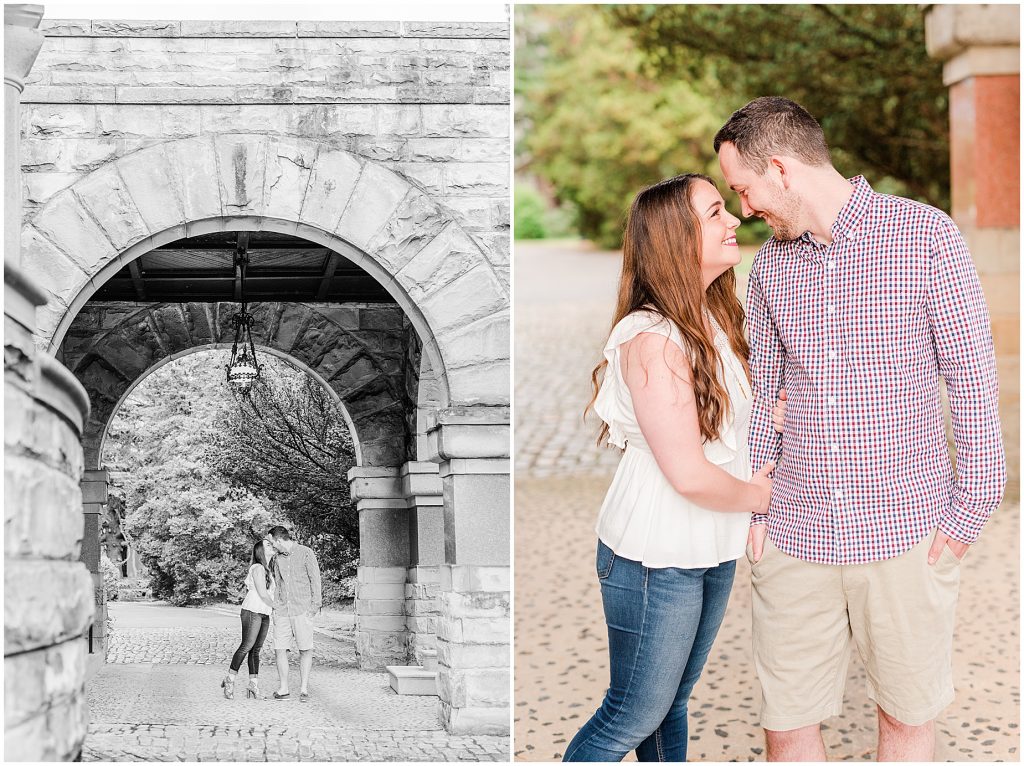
(660, 381)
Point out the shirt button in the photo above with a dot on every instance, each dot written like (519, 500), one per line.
(830, 264)
(831, 400)
(831, 354)
(839, 494)
(831, 309)
(835, 448)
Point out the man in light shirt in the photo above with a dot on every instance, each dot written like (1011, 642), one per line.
(297, 601)
(856, 307)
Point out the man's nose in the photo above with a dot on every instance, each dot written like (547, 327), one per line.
(746, 209)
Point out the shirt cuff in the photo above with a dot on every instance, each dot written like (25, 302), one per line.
(757, 519)
(963, 529)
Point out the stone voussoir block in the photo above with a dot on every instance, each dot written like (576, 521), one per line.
(289, 165)
(72, 230)
(486, 340)
(332, 180)
(442, 260)
(45, 264)
(45, 602)
(241, 165)
(191, 162)
(415, 222)
(375, 198)
(472, 296)
(103, 193)
(145, 175)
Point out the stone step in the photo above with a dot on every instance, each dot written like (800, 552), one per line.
(429, 659)
(413, 680)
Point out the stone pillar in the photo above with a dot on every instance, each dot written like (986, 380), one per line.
(471, 446)
(421, 485)
(980, 45)
(22, 42)
(48, 595)
(94, 500)
(381, 637)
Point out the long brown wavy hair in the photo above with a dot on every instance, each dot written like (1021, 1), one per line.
(661, 271)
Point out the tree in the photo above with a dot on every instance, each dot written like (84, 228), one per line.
(861, 70)
(189, 525)
(287, 440)
(594, 126)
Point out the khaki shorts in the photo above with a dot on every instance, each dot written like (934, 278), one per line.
(899, 612)
(299, 626)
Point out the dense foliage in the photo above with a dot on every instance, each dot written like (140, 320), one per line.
(190, 512)
(610, 99)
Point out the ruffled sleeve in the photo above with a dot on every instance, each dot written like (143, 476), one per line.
(607, 405)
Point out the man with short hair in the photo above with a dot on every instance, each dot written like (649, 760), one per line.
(856, 307)
(297, 601)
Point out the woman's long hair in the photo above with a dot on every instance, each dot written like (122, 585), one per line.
(259, 556)
(661, 271)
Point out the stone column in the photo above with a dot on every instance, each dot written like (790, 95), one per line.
(22, 42)
(48, 594)
(980, 45)
(94, 500)
(471, 446)
(381, 637)
(421, 485)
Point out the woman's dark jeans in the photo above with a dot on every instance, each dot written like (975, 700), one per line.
(254, 633)
(661, 625)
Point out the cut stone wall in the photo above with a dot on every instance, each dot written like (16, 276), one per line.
(428, 101)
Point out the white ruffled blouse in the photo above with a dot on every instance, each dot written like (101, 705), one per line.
(643, 518)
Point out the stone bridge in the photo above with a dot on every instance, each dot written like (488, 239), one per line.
(364, 166)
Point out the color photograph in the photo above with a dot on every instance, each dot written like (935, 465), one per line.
(772, 252)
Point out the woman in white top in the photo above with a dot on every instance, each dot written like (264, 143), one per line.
(256, 609)
(675, 396)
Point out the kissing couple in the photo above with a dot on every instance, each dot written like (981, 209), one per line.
(842, 492)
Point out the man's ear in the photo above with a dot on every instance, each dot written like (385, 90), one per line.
(780, 168)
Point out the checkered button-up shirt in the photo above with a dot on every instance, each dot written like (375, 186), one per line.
(858, 332)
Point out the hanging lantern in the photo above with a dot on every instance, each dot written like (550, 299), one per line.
(243, 369)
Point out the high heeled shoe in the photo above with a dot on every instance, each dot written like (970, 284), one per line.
(228, 685)
(253, 691)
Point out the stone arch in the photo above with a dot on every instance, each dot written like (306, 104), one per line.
(386, 224)
(111, 347)
(357, 447)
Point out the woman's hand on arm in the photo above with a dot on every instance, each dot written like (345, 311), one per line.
(660, 382)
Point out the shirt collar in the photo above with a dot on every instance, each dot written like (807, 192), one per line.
(851, 223)
(852, 218)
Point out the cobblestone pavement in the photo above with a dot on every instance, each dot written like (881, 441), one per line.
(561, 668)
(160, 699)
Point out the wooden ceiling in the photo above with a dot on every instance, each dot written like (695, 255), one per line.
(281, 268)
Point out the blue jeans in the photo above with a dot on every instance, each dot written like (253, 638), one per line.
(661, 624)
(254, 632)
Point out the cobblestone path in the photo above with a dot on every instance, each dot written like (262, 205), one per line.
(563, 305)
(159, 698)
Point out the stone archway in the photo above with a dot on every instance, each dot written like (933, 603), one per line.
(386, 224)
(447, 502)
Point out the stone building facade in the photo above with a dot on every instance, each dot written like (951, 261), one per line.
(380, 148)
(980, 48)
